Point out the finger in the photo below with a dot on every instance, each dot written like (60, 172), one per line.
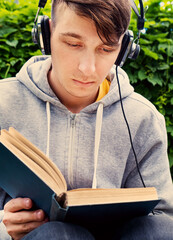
(18, 204)
(20, 230)
(23, 217)
(29, 216)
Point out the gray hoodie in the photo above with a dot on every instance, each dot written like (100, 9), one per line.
(91, 148)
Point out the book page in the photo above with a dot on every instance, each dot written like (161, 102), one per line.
(44, 176)
(34, 162)
(37, 151)
(103, 196)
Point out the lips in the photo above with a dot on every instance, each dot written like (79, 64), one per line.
(81, 83)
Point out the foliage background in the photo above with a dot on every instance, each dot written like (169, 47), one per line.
(151, 74)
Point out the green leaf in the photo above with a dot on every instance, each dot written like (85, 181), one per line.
(150, 23)
(27, 44)
(4, 47)
(145, 41)
(37, 52)
(157, 36)
(134, 65)
(170, 129)
(163, 66)
(142, 75)
(12, 43)
(170, 51)
(163, 45)
(166, 20)
(152, 68)
(6, 31)
(150, 53)
(155, 79)
(170, 86)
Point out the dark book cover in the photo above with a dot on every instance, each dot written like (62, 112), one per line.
(19, 181)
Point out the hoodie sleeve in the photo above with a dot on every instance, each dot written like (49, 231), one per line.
(150, 143)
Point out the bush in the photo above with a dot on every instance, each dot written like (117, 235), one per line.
(16, 46)
(151, 74)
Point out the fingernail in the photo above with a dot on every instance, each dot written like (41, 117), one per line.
(27, 203)
(39, 214)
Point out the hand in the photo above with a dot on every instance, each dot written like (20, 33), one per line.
(18, 220)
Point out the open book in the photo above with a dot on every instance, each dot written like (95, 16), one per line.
(25, 171)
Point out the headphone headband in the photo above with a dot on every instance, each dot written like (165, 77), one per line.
(42, 3)
(141, 16)
(130, 49)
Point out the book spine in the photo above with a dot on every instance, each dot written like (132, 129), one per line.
(57, 213)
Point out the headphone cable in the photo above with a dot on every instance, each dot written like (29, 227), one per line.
(129, 132)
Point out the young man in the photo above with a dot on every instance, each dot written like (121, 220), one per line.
(69, 106)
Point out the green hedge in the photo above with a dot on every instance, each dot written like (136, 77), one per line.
(151, 74)
(16, 46)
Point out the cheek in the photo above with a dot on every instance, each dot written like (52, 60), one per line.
(103, 68)
(65, 60)
(62, 60)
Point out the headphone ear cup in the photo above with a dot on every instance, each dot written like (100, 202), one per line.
(45, 31)
(41, 34)
(125, 47)
(135, 50)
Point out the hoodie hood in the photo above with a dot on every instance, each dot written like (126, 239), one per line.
(34, 76)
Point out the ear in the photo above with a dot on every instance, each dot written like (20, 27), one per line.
(121, 41)
(50, 25)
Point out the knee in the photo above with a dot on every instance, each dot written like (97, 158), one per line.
(68, 230)
(151, 227)
(62, 231)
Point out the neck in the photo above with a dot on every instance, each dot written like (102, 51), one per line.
(72, 103)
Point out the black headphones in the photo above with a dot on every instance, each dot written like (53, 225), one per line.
(129, 49)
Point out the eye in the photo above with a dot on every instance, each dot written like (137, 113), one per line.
(74, 45)
(107, 49)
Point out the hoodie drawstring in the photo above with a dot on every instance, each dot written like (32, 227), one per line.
(99, 117)
(48, 127)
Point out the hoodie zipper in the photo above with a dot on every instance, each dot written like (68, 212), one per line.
(71, 149)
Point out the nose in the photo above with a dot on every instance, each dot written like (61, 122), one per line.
(87, 63)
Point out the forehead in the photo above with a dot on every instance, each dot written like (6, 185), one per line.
(67, 21)
(66, 15)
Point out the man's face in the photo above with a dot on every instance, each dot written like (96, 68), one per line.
(80, 60)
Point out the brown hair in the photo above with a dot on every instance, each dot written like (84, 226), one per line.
(111, 17)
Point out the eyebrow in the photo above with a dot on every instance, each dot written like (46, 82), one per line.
(71, 34)
(75, 35)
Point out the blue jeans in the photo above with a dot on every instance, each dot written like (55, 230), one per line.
(60, 231)
(157, 227)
